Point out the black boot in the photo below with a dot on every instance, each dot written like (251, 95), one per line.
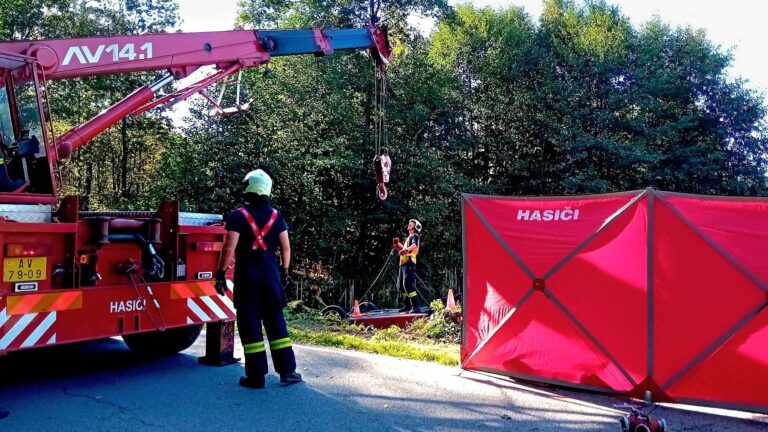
(415, 305)
(290, 378)
(252, 382)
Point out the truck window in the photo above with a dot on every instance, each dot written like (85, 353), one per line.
(27, 159)
(6, 126)
(29, 113)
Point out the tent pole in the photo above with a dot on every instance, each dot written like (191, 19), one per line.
(649, 263)
(462, 200)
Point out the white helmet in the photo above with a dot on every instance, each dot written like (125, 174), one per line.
(259, 182)
(416, 224)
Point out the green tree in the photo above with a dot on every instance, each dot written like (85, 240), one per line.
(111, 171)
(114, 170)
(312, 127)
(27, 19)
(492, 102)
(585, 103)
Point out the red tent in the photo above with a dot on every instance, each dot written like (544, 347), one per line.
(625, 292)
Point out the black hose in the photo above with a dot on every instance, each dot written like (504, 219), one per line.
(154, 264)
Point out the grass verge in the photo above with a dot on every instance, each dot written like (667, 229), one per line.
(438, 353)
(419, 341)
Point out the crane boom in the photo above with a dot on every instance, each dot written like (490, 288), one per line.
(25, 64)
(182, 53)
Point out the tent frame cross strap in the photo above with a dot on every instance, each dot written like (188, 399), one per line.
(540, 278)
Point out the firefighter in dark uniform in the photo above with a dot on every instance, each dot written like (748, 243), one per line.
(7, 184)
(254, 233)
(408, 253)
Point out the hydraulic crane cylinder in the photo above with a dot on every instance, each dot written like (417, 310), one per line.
(80, 135)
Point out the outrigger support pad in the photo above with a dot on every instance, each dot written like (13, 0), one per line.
(219, 344)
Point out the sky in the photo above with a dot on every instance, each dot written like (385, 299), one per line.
(738, 25)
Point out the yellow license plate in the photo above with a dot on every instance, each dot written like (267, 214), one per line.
(24, 269)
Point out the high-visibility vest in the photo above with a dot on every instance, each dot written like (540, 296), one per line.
(260, 234)
(411, 254)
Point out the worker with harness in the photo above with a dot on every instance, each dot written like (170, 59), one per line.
(254, 233)
(408, 253)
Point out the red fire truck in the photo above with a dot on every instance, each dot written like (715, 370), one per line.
(70, 275)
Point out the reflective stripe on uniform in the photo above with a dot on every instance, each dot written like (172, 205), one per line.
(413, 294)
(280, 343)
(253, 348)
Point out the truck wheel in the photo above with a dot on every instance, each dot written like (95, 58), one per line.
(334, 311)
(165, 342)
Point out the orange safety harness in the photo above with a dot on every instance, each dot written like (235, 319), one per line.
(259, 233)
(404, 257)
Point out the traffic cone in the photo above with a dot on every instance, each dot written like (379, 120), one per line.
(451, 302)
(356, 310)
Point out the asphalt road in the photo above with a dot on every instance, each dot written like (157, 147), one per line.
(101, 386)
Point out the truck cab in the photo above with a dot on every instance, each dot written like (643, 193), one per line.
(26, 172)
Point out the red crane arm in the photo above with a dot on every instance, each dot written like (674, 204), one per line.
(181, 54)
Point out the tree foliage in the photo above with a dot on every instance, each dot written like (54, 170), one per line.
(115, 170)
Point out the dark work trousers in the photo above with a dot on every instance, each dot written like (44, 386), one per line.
(259, 298)
(409, 282)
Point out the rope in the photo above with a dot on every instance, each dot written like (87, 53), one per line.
(398, 292)
(380, 137)
(376, 119)
(374, 11)
(419, 292)
(384, 134)
(379, 275)
(379, 116)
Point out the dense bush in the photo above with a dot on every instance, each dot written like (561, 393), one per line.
(441, 326)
